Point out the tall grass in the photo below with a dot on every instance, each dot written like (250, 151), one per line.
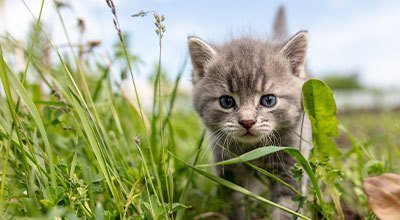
(71, 145)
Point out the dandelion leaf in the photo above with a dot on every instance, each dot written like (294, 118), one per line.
(320, 106)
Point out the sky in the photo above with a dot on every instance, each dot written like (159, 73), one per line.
(344, 36)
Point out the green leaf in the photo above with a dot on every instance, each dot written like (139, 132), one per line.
(251, 155)
(179, 206)
(320, 106)
(297, 172)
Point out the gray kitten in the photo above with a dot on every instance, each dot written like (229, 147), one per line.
(248, 93)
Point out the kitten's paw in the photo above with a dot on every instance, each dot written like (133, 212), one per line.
(278, 214)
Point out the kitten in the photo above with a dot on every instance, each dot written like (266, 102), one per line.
(248, 94)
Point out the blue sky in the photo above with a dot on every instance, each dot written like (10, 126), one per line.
(345, 36)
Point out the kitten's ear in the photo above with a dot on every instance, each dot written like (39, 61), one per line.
(295, 51)
(200, 53)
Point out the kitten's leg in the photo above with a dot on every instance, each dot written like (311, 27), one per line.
(280, 193)
(231, 173)
(286, 201)
(240, 176)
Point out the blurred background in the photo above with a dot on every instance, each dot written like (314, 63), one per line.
(353, 45)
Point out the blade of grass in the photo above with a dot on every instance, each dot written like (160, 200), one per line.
(11, 79)
(251, 155)
(185, 191)
(86, 97)
(175, 91)
(263, 151)
(272, 176)
(100, 83)
(4, 80)
(158, 86)
(23, 93)
(89, 132)
(14, 111)
(240, 189)
(151, 158)
(148, 175)
(74, 89)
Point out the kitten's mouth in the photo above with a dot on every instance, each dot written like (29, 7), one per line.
(248, 134)
(248, 137)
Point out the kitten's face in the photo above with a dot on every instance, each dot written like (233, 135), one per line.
(247, 90)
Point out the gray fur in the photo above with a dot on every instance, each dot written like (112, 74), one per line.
(246, 69)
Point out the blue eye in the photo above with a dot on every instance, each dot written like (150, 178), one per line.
(268, 100)
(227, 101)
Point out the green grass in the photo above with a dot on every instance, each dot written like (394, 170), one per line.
(71, 146)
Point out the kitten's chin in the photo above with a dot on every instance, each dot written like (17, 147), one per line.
(248, 138)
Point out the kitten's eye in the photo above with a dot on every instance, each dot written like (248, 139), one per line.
(227, 101)
(268, 100)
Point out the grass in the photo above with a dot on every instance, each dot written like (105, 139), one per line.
(71, 146)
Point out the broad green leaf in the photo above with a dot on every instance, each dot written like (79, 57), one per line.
(320, 106)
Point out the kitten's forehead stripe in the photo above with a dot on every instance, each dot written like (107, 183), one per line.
(263, 82)
(230, 84)
(249, 65)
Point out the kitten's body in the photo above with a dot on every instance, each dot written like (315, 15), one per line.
(248, 93)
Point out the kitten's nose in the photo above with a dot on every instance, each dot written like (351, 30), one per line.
(247, 123)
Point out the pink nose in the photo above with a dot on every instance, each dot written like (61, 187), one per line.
(247, 123)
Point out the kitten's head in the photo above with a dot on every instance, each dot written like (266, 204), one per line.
(248, 89)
